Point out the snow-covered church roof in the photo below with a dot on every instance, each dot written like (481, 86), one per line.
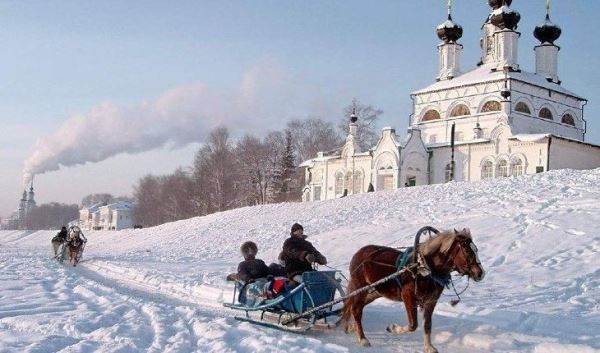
(484, 73)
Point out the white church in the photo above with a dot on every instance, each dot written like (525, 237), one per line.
(506, 122)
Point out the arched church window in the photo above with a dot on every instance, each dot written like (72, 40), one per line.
(448, 172)
(568, 119)
(516, 167)
(491, 106)
(431, 115)
(348, 181)
(358, 181)
(460, 110)
(545, 113)
(522, 108)
(487, 170)
(502, 169)
(339, 183)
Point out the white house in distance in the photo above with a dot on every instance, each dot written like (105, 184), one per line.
(114, 216)
(89, 216)
(506, 122)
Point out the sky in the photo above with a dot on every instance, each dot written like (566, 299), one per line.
(194, 65)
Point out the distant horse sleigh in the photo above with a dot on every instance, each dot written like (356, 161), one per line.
(416, 276)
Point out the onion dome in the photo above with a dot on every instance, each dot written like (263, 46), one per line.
(505, 18)
(547, 32)
(449, 31)
(496, 4)
(353, 117)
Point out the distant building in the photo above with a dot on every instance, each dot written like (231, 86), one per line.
(18, 219)
(89, 216)
(114, 216)
(495, 120)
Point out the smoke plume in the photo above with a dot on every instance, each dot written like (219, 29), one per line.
(177, 117)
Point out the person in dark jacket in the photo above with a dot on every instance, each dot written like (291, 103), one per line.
(59, 239)
(251, 268)
(298, 254)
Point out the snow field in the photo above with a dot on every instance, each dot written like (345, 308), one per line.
(161, 289)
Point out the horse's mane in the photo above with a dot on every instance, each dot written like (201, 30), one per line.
(443, 241)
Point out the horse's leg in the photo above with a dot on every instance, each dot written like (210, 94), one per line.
(427, 313)
(72, 256)
(410, 304)
(357, 311)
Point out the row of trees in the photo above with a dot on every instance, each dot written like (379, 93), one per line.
(103, 198)
(228, 173)
(51, 216)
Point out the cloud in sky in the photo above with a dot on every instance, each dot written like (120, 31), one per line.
(179, 116)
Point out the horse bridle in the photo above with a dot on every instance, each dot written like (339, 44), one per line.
(471, 260)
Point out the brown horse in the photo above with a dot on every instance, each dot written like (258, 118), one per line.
(421, 286)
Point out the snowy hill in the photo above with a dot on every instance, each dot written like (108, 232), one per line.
(161, 289)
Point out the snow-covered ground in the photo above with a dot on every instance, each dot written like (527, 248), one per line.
(161, 289)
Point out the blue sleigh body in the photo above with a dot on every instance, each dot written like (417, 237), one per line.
(317, 288)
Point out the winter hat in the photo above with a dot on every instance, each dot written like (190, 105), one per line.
(296, 227)
(249, 248)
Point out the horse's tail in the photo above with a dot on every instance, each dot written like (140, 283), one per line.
(347, 309)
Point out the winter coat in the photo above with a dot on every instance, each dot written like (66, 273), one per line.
(252, 269)
(294, 254)
(60, 236)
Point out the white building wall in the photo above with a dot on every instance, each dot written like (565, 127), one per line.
(476, 95)
(568, 154)
(344, 167)
(559, 104)
(386, 161)
(84, 219)
(105, 218)
(471, 157)
(122, 219)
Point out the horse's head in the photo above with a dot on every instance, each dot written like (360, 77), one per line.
(463, 252)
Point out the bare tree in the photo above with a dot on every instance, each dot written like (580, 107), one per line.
(214, 173)
(147, 201)
(367, 123)
(253, 164)
(92, 199)
(311, 136)
(176, 200)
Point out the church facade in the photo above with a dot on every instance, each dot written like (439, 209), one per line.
(495, 120)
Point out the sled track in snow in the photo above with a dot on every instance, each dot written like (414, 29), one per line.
(145, 286)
